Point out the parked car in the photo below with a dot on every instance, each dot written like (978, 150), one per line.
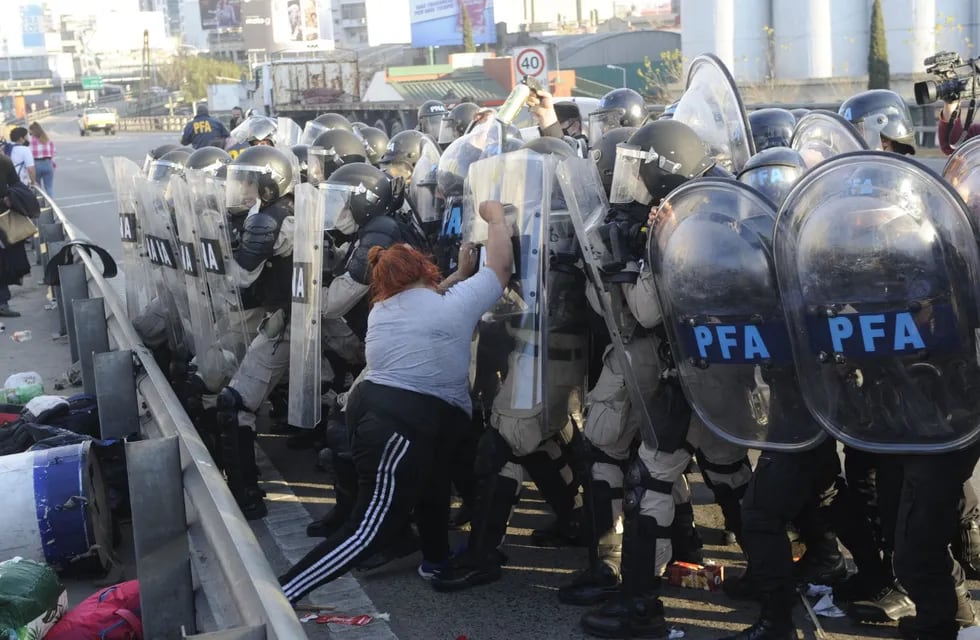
(97, 119)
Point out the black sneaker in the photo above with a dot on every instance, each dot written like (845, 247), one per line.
(742, 587)
(465, 571)
(590, 587)
(406, 545)
(889, 605)
(7, 312)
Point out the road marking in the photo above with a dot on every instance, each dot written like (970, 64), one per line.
(86, 204)
(88, 195)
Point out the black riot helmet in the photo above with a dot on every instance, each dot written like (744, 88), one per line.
(168, 164)
(330, 150)
(659, 157)
(370, 194)
(457, 121)
(156, 153)
(548, 145)
(603, 153)
(404, 148)
(375, 143)
(430, 117)
(618, 108)
(208, 159)
(334, 121)
(771, 128)
(799, 112)
(880, 113)
(259, 174)
(301, 151)
(773, 172)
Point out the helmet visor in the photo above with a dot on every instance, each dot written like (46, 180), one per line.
(627, 185)
(161, 170)
(335, 199)
(447, 131)
(311, 131)
(255, 129)
(431, 124)
(602, 122)
(242, 187)
(774, 182)
(321, 163)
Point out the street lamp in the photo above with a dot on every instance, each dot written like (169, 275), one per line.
(612, 66)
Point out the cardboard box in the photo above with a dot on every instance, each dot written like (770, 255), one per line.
(696, 576)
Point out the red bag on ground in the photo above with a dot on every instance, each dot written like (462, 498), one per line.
(110, 614)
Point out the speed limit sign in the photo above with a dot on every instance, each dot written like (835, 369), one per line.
(530, 61)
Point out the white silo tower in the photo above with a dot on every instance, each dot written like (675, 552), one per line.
(803, 39)
(708, 26)
(911, 29)
(850, 22)
(753, 25)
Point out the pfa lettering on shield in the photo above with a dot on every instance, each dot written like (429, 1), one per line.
(889, 333)
(734, 342)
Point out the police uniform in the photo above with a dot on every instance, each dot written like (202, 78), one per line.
(203, 130)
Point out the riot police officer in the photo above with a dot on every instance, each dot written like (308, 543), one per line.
(429, 117)
(456, 122)
(618, 108)
(203, 130)
(375, 143)
(331, 150)
(773, 172)
(404, 150)
(324, 122)
(260, 181)
(771, 128)
(884, 119)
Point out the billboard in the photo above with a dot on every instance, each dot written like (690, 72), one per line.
(32, 26)
(220, 15)
(437, 23)
(302, 22)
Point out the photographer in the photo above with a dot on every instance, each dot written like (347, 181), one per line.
(950, 129)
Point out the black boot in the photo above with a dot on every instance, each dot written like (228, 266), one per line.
(888, 605)
(685, 541)
(251, 499)
(636, 612)
(966, 548)
(601, 580)
(965, 615)
(775, 619)
(823, 563)
(345, 490)
(480, 563)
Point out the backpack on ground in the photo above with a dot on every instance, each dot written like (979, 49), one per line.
(110, 614)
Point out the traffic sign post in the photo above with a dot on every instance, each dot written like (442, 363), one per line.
(90, 83)
(531, 62)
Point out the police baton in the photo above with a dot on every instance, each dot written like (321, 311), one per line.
(818, 629)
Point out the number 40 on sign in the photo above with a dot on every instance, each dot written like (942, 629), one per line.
(530, 61)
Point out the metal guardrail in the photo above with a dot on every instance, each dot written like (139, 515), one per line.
(251, 588)
(153, 123)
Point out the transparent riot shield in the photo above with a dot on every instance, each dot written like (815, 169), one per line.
(288, 133)
(587, 208)
(214, 252)
(423, 196)
(820, 135)
(514, 333)
(878, 270)
(710, 250)
(122, 174)
(962, 171)
(307, 284)
(712, 106)
(162, 251)
(200, 318)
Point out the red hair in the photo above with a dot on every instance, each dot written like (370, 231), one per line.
(397, 268)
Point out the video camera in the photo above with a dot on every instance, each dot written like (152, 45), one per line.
(950, 86)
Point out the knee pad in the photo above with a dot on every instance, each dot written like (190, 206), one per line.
(492, 453)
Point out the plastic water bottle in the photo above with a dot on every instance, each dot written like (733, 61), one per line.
(21, 336)
(21, 395)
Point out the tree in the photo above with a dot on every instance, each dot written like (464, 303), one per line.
(878, 72)
(658, 80)
(191, 75)
(468, 45)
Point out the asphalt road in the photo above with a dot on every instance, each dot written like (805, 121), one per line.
(523, 604)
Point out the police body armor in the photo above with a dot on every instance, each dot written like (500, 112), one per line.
(214, 253)
(820, 135)
(878, 268)
(710, 251)
(307, 288)
(122, 174)
(539, 326)
(272, 288)
(712, 106)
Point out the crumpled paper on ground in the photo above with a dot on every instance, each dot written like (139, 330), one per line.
(826, 608)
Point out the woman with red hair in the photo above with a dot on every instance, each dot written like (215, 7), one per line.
(404, 417)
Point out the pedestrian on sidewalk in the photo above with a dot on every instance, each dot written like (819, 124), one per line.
(42, 148)
(21, 156)
(13, 259)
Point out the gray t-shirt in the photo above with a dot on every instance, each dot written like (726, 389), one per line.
(419, 340)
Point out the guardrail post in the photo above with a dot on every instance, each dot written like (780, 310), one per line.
(115, 392)
(163, 560)
(46, 217)
(240, 633)
(53, 249)
(92, 335)
(49, 232)
(74, 286)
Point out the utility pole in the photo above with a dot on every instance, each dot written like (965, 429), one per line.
(145, 70)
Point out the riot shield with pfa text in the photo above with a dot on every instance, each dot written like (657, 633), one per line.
(307, 284)
(712, 106)
(199, 317)
(587, 207)
(122, 174)
(160, 245)
(962, 171)
(710, 250)
(878, 270)
(214, 251)
(820, 135)
(514, 334)
(288, 133)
